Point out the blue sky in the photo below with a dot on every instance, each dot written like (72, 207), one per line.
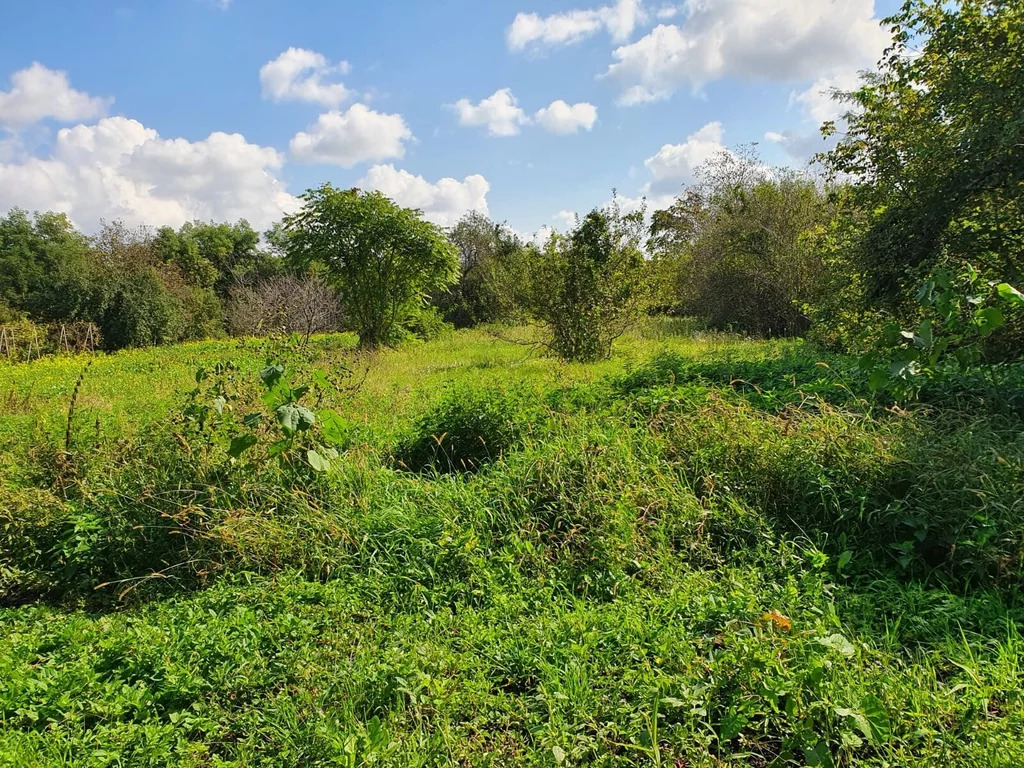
(166, 110)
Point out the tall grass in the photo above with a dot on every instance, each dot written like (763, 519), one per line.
(703, 551)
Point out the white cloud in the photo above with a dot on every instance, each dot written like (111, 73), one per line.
(674, 164)
(38, 93)
(299, 75)
(817, 106)
(119, 169)
(529, 29)
(781, 40)
(800, 145)
(442, 202)
(817, 102)
(559, 117)
(567, 219)
(668, 12)
(500, 112)
(358, 135)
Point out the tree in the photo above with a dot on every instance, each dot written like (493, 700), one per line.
(217, 256)
(738, 242)
(484, 246)
(140, 300)
(35, 252)
(286, 303)
(384, 260)
(588, 287)
(934, 145)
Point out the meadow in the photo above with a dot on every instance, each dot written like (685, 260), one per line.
(703, 551)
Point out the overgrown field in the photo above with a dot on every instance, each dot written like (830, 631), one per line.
(701, 552)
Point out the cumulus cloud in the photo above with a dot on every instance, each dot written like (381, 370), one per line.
(119, 169)
(531, 30)
(356, 136)
(674, 164)
(500, 112)
(816, 106)
(559, 117)
(38, 93)
(781, 40)
(566, 218)
(442, 202)
(299, 74)
(817, 103)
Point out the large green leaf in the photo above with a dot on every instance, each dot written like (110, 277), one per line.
(240, 445)
(295, 418)
(1010, 294)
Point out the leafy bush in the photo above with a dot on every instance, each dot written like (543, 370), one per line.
(465, 430)
(587, 288)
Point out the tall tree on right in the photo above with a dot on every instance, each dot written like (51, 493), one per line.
(933, 145)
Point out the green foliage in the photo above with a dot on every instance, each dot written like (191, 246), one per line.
(40, 258)
(932, 143)
(722, 553)
(385, 260)
(216, 256)
(485, 249)
(739, 245)
(468, 428)
(288, 430)
(959, 313)
(586, 288)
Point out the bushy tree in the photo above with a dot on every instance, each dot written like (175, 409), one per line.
(933, 144)
(140, 300)
(931, 154)
(216, 255)
(484, 247)
(384, 260)
(586, 288)
(739, 243)
(37, 254)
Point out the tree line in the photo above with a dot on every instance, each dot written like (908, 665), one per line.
(904, 246)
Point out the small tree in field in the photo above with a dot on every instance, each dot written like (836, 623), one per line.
(588, 287)
(384, 260)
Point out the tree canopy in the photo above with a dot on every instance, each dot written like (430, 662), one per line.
(385, 260)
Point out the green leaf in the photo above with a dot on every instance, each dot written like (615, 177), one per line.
(240, 445)
(838, 643)
(859, 721)
(1010, 294)
(820, 755)
(252, 420)
(219, 403)
(877, 716)
(559, 754)
(878, 379)
(295, 418)
(278, 448)
(924, 337)
(732, 725)
(333, 427)
(988, 320)
(844, 559)
(271, 375)
(317, 462)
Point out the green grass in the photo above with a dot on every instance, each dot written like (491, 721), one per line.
(701, 552)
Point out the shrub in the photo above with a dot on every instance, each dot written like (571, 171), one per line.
(587, 288)
(465, 430)
(284, 304)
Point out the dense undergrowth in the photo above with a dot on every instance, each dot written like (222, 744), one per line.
(702, 552)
